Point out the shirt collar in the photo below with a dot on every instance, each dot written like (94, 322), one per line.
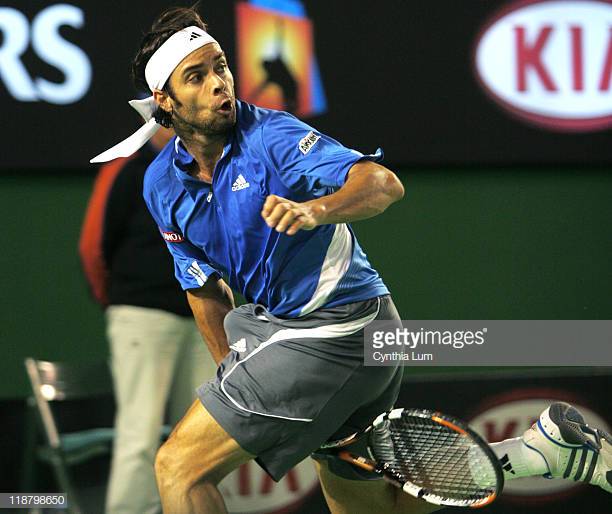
(182, 159)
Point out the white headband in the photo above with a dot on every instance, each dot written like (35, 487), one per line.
(157, 71)
(172, 52)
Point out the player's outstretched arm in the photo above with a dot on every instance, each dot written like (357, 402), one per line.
(210, 304)
(369, 189)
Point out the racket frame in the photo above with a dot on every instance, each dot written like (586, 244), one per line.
(370, 464)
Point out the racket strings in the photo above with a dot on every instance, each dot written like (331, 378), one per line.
(433, 456)
(449, 468)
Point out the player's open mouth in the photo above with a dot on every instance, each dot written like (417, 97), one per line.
(225, 107)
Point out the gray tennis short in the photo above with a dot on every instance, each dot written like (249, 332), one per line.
(288, 386)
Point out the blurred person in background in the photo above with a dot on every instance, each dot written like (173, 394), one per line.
(158, 356)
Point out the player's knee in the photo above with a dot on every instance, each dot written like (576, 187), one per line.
(175, 467)
(169, 466)
(163, 465)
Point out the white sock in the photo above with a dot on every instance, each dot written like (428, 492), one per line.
(518, 460)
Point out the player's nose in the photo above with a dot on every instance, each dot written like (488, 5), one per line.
(219, 85)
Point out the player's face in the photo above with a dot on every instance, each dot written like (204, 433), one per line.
(203, 88)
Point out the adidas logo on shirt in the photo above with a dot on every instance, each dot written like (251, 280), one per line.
(196, 272)
(240, 183)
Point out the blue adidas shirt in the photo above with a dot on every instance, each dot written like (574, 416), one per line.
(218, 229)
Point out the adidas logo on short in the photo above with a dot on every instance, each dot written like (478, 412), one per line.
(239, 346)
(240, 183)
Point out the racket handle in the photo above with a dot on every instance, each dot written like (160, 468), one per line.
(368, 465)
(360, 462)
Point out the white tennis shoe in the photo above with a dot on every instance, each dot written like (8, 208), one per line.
(572, 449)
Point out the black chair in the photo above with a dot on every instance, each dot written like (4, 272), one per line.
(78, 386)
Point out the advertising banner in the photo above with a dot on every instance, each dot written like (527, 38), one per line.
(490, 82)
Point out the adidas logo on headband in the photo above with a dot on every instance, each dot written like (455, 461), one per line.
(194, 35)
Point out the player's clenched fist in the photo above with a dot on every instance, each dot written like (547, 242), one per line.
(287, 216)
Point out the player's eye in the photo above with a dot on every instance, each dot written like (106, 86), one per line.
(194, 78)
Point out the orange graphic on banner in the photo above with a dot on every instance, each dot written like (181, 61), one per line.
(275, 58)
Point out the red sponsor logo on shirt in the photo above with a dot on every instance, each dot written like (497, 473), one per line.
(172, 237)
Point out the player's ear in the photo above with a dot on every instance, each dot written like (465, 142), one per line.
(162, 98)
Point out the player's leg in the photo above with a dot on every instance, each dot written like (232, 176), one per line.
(559, 445)
(346, 490)
(344, 496)
(144, 347)
(196, 457)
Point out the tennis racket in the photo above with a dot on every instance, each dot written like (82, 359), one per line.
(429, 455)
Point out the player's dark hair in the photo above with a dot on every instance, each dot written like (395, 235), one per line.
(170, 21)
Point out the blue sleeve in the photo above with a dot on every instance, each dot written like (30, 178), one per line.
(304, 158)
(191, 266)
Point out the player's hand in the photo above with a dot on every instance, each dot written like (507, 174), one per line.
(287, 216)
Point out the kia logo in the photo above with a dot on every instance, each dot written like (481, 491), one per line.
(250, 489)
(550, 63)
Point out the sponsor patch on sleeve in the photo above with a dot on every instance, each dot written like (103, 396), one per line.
(172, 237)
(307, 142)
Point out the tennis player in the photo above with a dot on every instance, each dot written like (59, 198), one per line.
(262, 198)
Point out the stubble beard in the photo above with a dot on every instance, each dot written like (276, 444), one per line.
(219, 126)
(214, 127)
